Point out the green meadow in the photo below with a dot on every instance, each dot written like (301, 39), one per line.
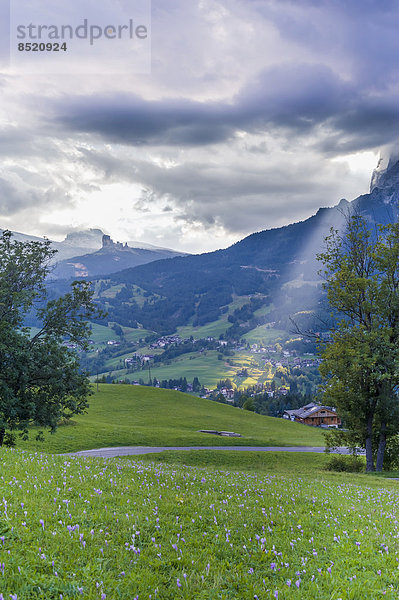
(125, 415)
(308, 464)
(101, 333)
(266, 335)
(128, 529)
(205, 366)
(197, 524)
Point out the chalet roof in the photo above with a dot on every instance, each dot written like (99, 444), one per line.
(308, 410)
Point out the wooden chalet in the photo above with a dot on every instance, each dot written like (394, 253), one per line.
(315, 415)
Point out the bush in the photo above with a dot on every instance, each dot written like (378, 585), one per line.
(347, 464)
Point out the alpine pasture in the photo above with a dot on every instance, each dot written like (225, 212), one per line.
(200, 524)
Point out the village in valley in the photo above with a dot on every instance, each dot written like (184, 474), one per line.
(279, 378)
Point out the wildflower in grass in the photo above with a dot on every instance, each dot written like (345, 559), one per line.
(42, 523)
(178, 583)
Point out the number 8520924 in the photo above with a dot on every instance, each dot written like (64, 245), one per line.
(42, 47)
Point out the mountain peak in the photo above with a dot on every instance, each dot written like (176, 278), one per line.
(386, 173)
(107, 242)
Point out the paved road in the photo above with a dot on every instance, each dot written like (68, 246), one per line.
(137, 450)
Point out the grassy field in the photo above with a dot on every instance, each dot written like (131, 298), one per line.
(298, 463)
(122, 415)
(213, 329)
(266, 335)
(134, 335)
(100, 333)
(205, 366)
(132, 530)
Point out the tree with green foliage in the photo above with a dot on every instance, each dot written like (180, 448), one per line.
(360, 366)
(40, 379)
(196, 385)
(249, 404)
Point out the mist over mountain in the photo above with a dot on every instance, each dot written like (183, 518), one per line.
(79, 242)
(89, 238)
(386, 173)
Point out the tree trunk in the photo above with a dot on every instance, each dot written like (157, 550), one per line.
(369, 445)
(381, 447)
(2, 434)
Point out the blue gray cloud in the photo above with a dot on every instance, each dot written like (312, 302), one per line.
(248, 104)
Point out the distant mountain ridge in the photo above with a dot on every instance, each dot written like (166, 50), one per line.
(111, 257)
(77, 246)
(278, 264)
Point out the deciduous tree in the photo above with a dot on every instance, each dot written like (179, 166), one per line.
(360, 365)
(40, 379)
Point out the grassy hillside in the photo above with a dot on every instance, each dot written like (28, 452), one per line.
(264, 335)
(101, 334)
(120, 529)
(205, 366)
(122, 415)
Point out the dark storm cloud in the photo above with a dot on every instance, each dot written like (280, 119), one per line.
(299, 97)
(131, 120)
(374, 124)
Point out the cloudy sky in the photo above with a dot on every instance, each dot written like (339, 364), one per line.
(252, 115)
